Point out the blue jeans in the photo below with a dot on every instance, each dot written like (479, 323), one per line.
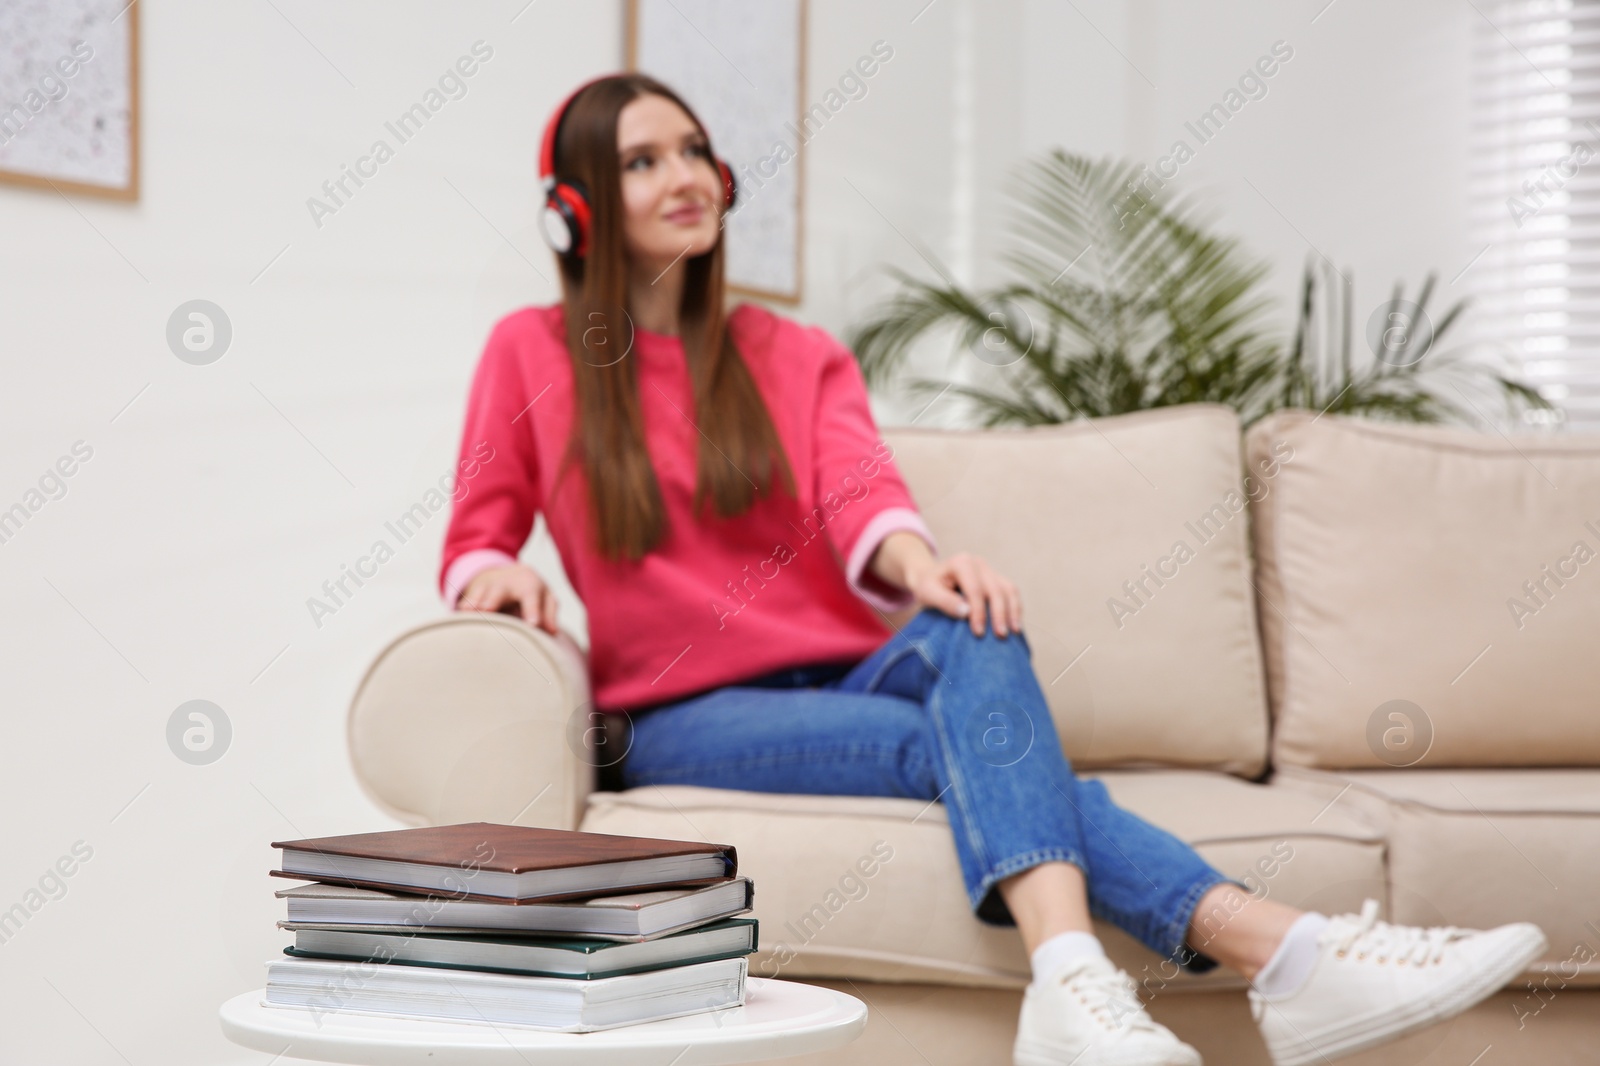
(937, 713)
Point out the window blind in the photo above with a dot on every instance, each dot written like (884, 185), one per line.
(1534, 196)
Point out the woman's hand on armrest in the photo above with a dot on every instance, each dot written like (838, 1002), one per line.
(512, 590)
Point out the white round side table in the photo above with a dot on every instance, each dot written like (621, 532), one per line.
(778, 1019)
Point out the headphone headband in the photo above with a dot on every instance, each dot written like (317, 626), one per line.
(547, 146)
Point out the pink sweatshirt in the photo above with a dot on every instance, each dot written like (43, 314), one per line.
(784, 584)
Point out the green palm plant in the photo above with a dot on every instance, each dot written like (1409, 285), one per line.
(1396, 382)
(1121, 303)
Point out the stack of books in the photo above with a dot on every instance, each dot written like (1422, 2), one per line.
(513, 925)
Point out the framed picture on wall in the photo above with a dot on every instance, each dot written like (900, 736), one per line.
(741, 67)
(69, 95)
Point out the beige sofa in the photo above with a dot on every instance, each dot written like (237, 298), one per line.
(1350, 585)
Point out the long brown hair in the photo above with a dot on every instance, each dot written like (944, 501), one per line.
(740, 455)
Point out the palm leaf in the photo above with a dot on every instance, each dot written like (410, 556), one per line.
(1119, 303)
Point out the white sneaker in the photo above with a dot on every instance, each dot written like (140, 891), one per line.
(1088, 1013)
(1374, 981)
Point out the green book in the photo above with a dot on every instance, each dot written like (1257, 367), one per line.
(571, 957)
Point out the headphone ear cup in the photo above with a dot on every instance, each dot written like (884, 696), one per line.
(566, 219)
(556, 225)
(730, 187)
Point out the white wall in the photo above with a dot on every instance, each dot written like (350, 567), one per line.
(1357, 150)
(179, 563)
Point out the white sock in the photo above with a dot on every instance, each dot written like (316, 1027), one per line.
(1061, 949)
(1286, 972)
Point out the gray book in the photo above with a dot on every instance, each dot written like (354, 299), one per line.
(575, 957)
(629, 916)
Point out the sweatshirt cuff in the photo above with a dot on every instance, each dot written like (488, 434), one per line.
(868, 585)
(468, 565)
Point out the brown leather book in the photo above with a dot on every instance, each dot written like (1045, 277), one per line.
(489, 862)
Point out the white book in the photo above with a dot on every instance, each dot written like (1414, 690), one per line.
(556, 1004)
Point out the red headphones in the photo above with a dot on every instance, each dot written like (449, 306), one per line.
(565, 219)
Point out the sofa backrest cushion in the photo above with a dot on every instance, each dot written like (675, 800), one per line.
(1430, 596)
(1127, 538)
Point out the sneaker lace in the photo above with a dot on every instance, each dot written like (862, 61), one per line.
(1110, 995)
(1366, 935)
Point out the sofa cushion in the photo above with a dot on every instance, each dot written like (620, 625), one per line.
(870, 887)
(1127, 538)
(1478, 848)
(1429, 596)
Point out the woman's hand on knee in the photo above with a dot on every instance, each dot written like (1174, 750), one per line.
(512, 590)
(965, 586)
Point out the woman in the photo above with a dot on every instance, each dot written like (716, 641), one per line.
(722, 502)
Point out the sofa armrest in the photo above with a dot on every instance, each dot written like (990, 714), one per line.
(475, 717)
